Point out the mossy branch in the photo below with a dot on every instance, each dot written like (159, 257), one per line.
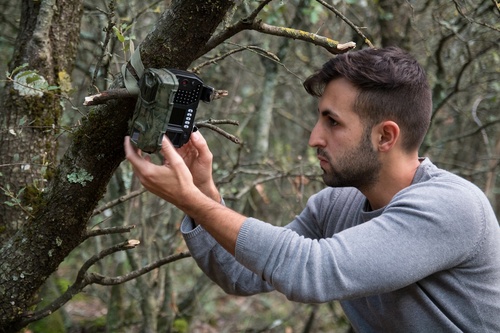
(84, 279)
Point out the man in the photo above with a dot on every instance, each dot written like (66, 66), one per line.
(404, 246)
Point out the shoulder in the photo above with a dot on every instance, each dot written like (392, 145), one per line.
(440, 201)
(444, 187)
(331, 196)
(335, 209)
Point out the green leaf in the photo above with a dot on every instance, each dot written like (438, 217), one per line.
(119, 35)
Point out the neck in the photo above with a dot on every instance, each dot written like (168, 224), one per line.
(396, 174)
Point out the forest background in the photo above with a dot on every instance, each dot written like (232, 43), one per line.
(71, 214)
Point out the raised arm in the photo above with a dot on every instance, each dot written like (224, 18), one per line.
(174, 182)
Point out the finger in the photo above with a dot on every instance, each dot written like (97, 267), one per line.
(169, 152)
(131, 153)
(201, 145)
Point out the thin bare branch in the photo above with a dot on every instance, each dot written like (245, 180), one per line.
(496, 3)
(471, 20)
(227, 54)
(108, 30)
(252, 23)
(121, 93)
(264, 178)
(346, 20)
(211, 125)
(109, 281)
(108, 231)
(106, 95)
(329, 44)
(82, 280)
(118, 201)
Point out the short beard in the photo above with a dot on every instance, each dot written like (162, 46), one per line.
(357, 168)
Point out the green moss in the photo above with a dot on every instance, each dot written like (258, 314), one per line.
(32, 196)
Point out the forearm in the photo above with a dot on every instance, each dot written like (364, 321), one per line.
(219, 265)
(222, 223)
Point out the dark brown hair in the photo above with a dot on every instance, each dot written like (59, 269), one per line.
(392, 86)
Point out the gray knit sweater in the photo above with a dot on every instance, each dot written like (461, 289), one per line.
(427, 262)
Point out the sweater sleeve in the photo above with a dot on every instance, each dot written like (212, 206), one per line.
(426, 228)
(222, 268)
(218, 264)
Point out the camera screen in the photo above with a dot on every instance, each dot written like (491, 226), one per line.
(177, 117)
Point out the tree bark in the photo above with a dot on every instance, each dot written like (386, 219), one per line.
(395, 22)
(59, 223)
(47, 43)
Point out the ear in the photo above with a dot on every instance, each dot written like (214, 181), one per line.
(386, 135)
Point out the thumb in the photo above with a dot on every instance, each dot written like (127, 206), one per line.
(168, 151)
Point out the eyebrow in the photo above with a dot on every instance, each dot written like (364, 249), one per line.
(328, 112)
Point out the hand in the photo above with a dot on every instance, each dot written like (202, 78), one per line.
(198, 159)
(174, 182)
(171, 181)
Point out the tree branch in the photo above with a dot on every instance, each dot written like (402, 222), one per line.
(252, 23)
(109, 281)
(214, 60)
(346, 20)
(106, 95)
(84, 279)
(210, 123)
(122, 93)
(471, 20)
(330, 45)
(107, 231)
(108, 30)
(496, 3)
(118, 201)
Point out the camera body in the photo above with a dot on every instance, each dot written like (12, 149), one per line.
(166, 105)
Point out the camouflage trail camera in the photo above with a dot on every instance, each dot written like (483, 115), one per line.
(166, 105)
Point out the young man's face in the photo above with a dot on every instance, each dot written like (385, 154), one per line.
(344, 148)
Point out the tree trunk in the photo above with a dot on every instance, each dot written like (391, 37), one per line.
(59, 222)
(395, 22)
(29, 120)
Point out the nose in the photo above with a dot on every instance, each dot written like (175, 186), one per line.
(315, 139)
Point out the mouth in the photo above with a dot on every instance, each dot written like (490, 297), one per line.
(324, 163)
(322, 156)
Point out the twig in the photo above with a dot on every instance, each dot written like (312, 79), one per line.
(264, 178)
(329, 44)
(84, 279)
(211, 125)
(118, 201)
(107, 95)
(121, 93)
(108, 30)
(346, 20)
(109, 281)
(107, 231)
(480, 124)
(227, 54)
(496, 3)
(252, 23)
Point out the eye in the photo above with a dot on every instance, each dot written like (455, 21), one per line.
(332, 122)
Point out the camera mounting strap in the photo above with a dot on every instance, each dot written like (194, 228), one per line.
(132, 71)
